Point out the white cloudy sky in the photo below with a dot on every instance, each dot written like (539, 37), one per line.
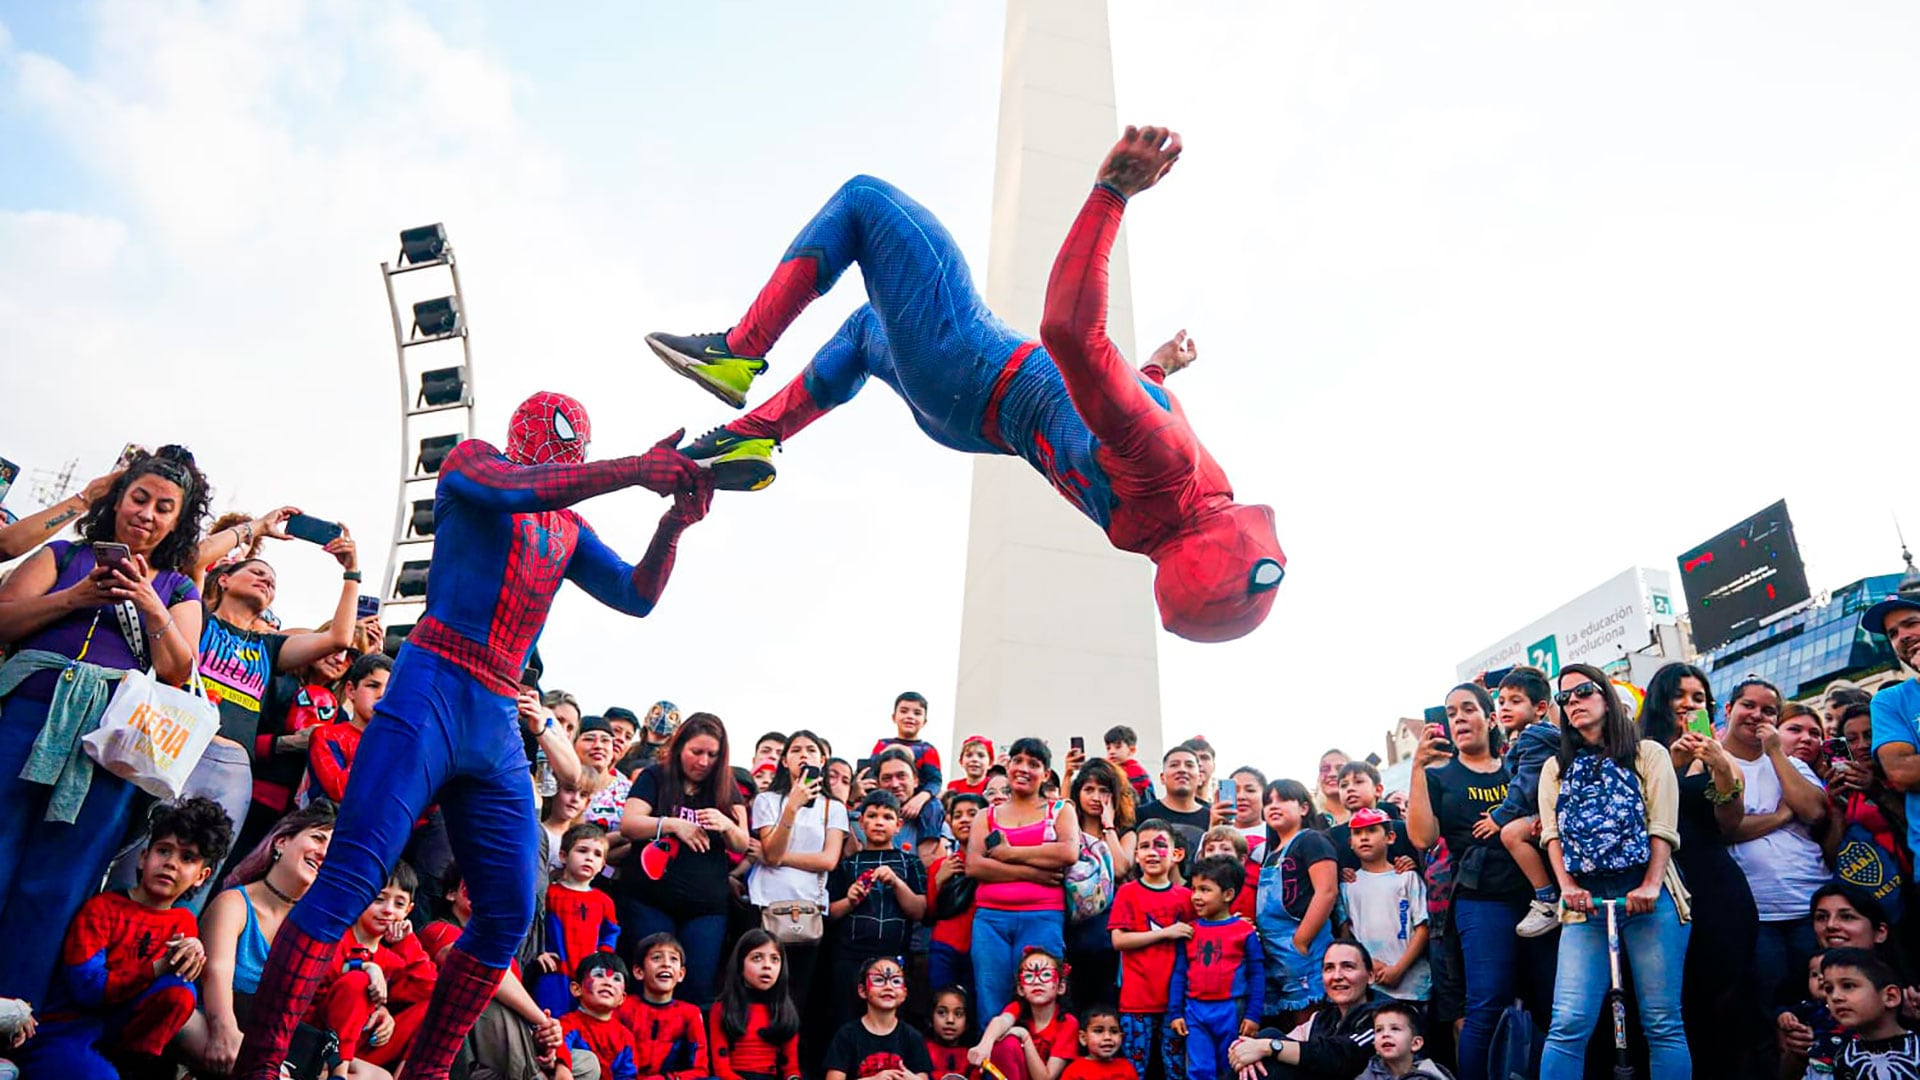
(1494, 301)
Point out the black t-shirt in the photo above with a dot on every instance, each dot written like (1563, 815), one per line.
(859, 1052)
(1481, 868)
(695, 882)
(879, 926)
(1341, 837)
(1189, 825)
(1296, 859)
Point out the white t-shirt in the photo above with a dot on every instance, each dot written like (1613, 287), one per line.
(1386, 908)
(1784, 867)
(770, 884)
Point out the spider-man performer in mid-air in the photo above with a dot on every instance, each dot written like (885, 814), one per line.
(1109, 439)
(446, 731)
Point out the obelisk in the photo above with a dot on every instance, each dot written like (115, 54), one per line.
(1057, 627)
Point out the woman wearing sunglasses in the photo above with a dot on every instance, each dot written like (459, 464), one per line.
(1609, 815)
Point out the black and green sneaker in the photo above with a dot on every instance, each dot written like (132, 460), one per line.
(706, 360)
(738, 462)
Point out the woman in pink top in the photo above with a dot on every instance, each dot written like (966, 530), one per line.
(1018, 853)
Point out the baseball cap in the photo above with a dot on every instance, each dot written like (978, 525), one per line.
(765, 766)
(1366, 818)
(594, 723)
(619, 712)
(1875, 620)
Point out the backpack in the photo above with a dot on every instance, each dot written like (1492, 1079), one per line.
(1517, 1043)
(1089, 881)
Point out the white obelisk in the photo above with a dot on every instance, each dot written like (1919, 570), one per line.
(1057, 628)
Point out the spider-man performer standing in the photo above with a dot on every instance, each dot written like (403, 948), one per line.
(1109, 439)
(446, 730)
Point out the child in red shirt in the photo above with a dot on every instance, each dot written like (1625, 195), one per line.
(125, 983)
(1100, 1036)
(580, 918)
(368, 968)
(948, 1047)
(754, 1028)
(600, 985)
(1122, 743)
(948, 959)
(669, 1036)
(976, 757)
(1149, 919)
(331, 750)
(1035, 1038)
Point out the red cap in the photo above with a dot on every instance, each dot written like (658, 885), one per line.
(1216, 582)
(1367, 817)
(982, 740)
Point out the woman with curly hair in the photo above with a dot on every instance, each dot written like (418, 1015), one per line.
(73, 623)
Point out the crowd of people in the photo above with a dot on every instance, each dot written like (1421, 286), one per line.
(867, 912)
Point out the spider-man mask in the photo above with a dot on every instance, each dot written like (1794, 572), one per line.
(1216, 582)
(547, 428)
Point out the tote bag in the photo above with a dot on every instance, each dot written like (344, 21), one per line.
(152, 735)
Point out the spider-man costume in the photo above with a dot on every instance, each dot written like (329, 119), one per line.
(446, 730)
(1111, 440)
(1217, 983)
(580, 922)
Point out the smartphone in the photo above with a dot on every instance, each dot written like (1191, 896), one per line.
(1837, 751)
(1492, 679)
(106, 554)
(1223, 792)
(810, 775)
(1438, 732)
(312, 529)
(8, 473)
(1701, 723)
(366, 606)
(1078, 743)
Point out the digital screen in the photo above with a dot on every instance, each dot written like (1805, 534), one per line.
(1741, 576)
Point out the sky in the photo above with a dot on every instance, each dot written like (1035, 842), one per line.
(1492, 302)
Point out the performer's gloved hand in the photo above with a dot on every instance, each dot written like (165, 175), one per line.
(664, 470)
(691, 505)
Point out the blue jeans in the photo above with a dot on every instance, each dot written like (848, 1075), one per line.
(1654, 945)
(1000, 938)
(1492, 955)
(47, 869)
(700, 935)
(1780, 961)
(948, 966)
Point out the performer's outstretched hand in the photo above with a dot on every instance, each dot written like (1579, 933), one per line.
(1175, 354)
(1140, 159)
(664, 470)
(691, 505)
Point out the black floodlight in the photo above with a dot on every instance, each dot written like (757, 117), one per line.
(421, 523)
(412, 580)
(433, 453)
(436, 318)
(423, 244)
(442, 386)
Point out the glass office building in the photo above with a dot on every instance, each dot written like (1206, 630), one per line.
(1803, 652)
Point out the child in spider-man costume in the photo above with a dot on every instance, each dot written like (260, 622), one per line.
(504, 540)
(1112, 441)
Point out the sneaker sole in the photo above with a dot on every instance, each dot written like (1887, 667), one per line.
(689, 367)
(741, 474)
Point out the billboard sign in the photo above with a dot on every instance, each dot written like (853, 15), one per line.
(1740, 577)
(1600, 627)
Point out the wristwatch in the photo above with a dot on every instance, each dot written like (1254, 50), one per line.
(1274, 1045)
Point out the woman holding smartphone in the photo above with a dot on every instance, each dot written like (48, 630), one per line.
(802, 830)
(1716, 995)
(73, 617)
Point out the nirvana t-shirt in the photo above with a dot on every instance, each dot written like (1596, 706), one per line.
(237, 666)
(1481, 867)
(858, 1052)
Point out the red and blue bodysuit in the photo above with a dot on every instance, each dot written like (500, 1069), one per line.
(1112, 441)
(107, 1000)
(446, 730)
(580, 922)
(1219, 980)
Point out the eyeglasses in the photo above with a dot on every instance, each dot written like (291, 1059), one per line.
(1036, 976)
(1584, 690)
(883, 978)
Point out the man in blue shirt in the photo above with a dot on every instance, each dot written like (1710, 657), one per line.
(1896, 709)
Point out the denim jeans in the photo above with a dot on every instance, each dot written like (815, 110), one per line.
(1780, 961)
(1491, 969)
(1654, 945)
(701, 936)
(1000, 938)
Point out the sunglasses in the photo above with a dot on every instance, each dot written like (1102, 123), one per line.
(1583, 691)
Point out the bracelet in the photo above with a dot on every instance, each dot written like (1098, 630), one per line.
(1716, 798)
(351, 575)
(164, 627)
